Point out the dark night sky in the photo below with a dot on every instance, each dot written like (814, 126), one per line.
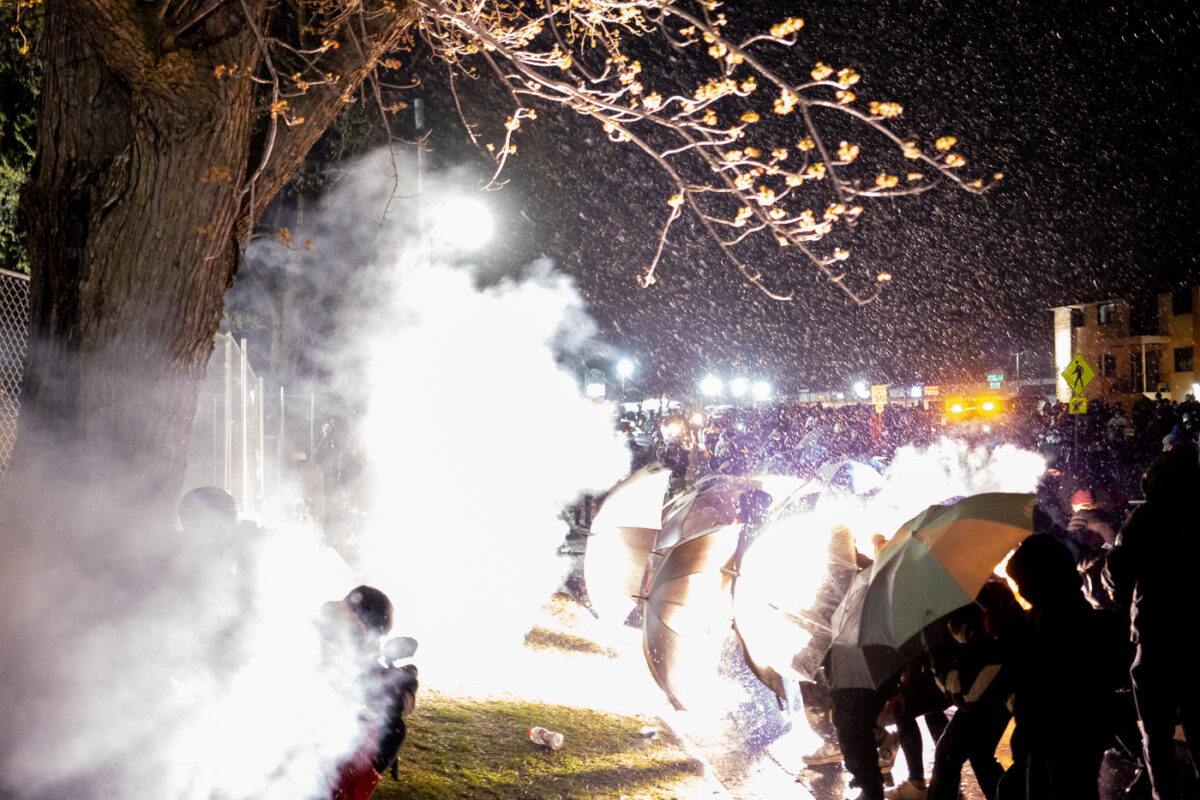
(1086, 108)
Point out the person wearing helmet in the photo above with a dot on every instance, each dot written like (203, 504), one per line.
(354, 628)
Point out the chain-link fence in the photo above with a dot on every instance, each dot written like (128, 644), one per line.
(14, 332)
(227, 444)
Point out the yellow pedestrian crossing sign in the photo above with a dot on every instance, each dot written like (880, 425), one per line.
(1078, 405)
(1078, 375)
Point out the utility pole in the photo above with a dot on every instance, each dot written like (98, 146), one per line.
(419, 127)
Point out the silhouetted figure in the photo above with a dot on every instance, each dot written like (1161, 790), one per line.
(1151, 570)
(969, 667)
(1065, 692)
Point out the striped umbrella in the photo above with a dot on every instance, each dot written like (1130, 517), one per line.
(935, 564)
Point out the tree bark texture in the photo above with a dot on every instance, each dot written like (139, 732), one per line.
(135, 212)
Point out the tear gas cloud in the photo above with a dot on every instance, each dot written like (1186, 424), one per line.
(176, 667)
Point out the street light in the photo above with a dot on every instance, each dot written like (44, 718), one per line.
(461, 223)
(624, 369)
(1018, 355)
(711, 386)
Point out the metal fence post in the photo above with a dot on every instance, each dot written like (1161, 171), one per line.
(228, 484)
(281, 446)
(262, 444)
(247, 503)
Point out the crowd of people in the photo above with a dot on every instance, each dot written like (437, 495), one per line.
(1084, 647)
(1096, 660)
(1103, 451)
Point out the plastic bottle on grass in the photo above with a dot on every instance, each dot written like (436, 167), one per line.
(550, 739)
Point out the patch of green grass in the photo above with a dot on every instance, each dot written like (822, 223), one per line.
(461, 748)
(539, 638)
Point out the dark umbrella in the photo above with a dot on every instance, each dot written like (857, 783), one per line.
(688, 613)
(712, 501)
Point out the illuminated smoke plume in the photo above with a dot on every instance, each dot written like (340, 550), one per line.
(176, 667)
(477, 439)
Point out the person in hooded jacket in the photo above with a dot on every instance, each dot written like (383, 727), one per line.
(1064, 700)
(1151, 570)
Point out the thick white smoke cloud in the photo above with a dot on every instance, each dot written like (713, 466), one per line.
(475, 432)
(174, 667)
(168, 667)
(478, 438)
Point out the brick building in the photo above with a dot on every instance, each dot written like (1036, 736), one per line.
(1140, 345)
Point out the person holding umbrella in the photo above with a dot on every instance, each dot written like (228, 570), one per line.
(970, 670)
(893, 612)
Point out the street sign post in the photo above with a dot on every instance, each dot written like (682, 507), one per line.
(879, 397)
(1078, 375)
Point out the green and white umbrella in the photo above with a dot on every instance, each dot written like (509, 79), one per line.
(935, 564)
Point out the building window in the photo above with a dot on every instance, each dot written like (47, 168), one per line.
(1183, 359)
(1106, 313)
(1143, 316)
(1108, 365)
(1077, 318)
(1181, 301)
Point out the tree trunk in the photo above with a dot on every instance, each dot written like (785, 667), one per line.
(136, 210)
(131, 212)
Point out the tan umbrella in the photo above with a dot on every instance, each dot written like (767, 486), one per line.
(620, 540)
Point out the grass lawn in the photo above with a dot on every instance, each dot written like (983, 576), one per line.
(460, 748)
(462, 745)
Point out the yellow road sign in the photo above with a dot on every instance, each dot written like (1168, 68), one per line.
(1078, 375)
(1078, 405)
(879, 397)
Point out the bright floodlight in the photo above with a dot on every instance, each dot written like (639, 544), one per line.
(624, 368)
(711, 385)
(739, 386)
(460, 223)
(860, 389)
(761, 389)
(915, 392)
